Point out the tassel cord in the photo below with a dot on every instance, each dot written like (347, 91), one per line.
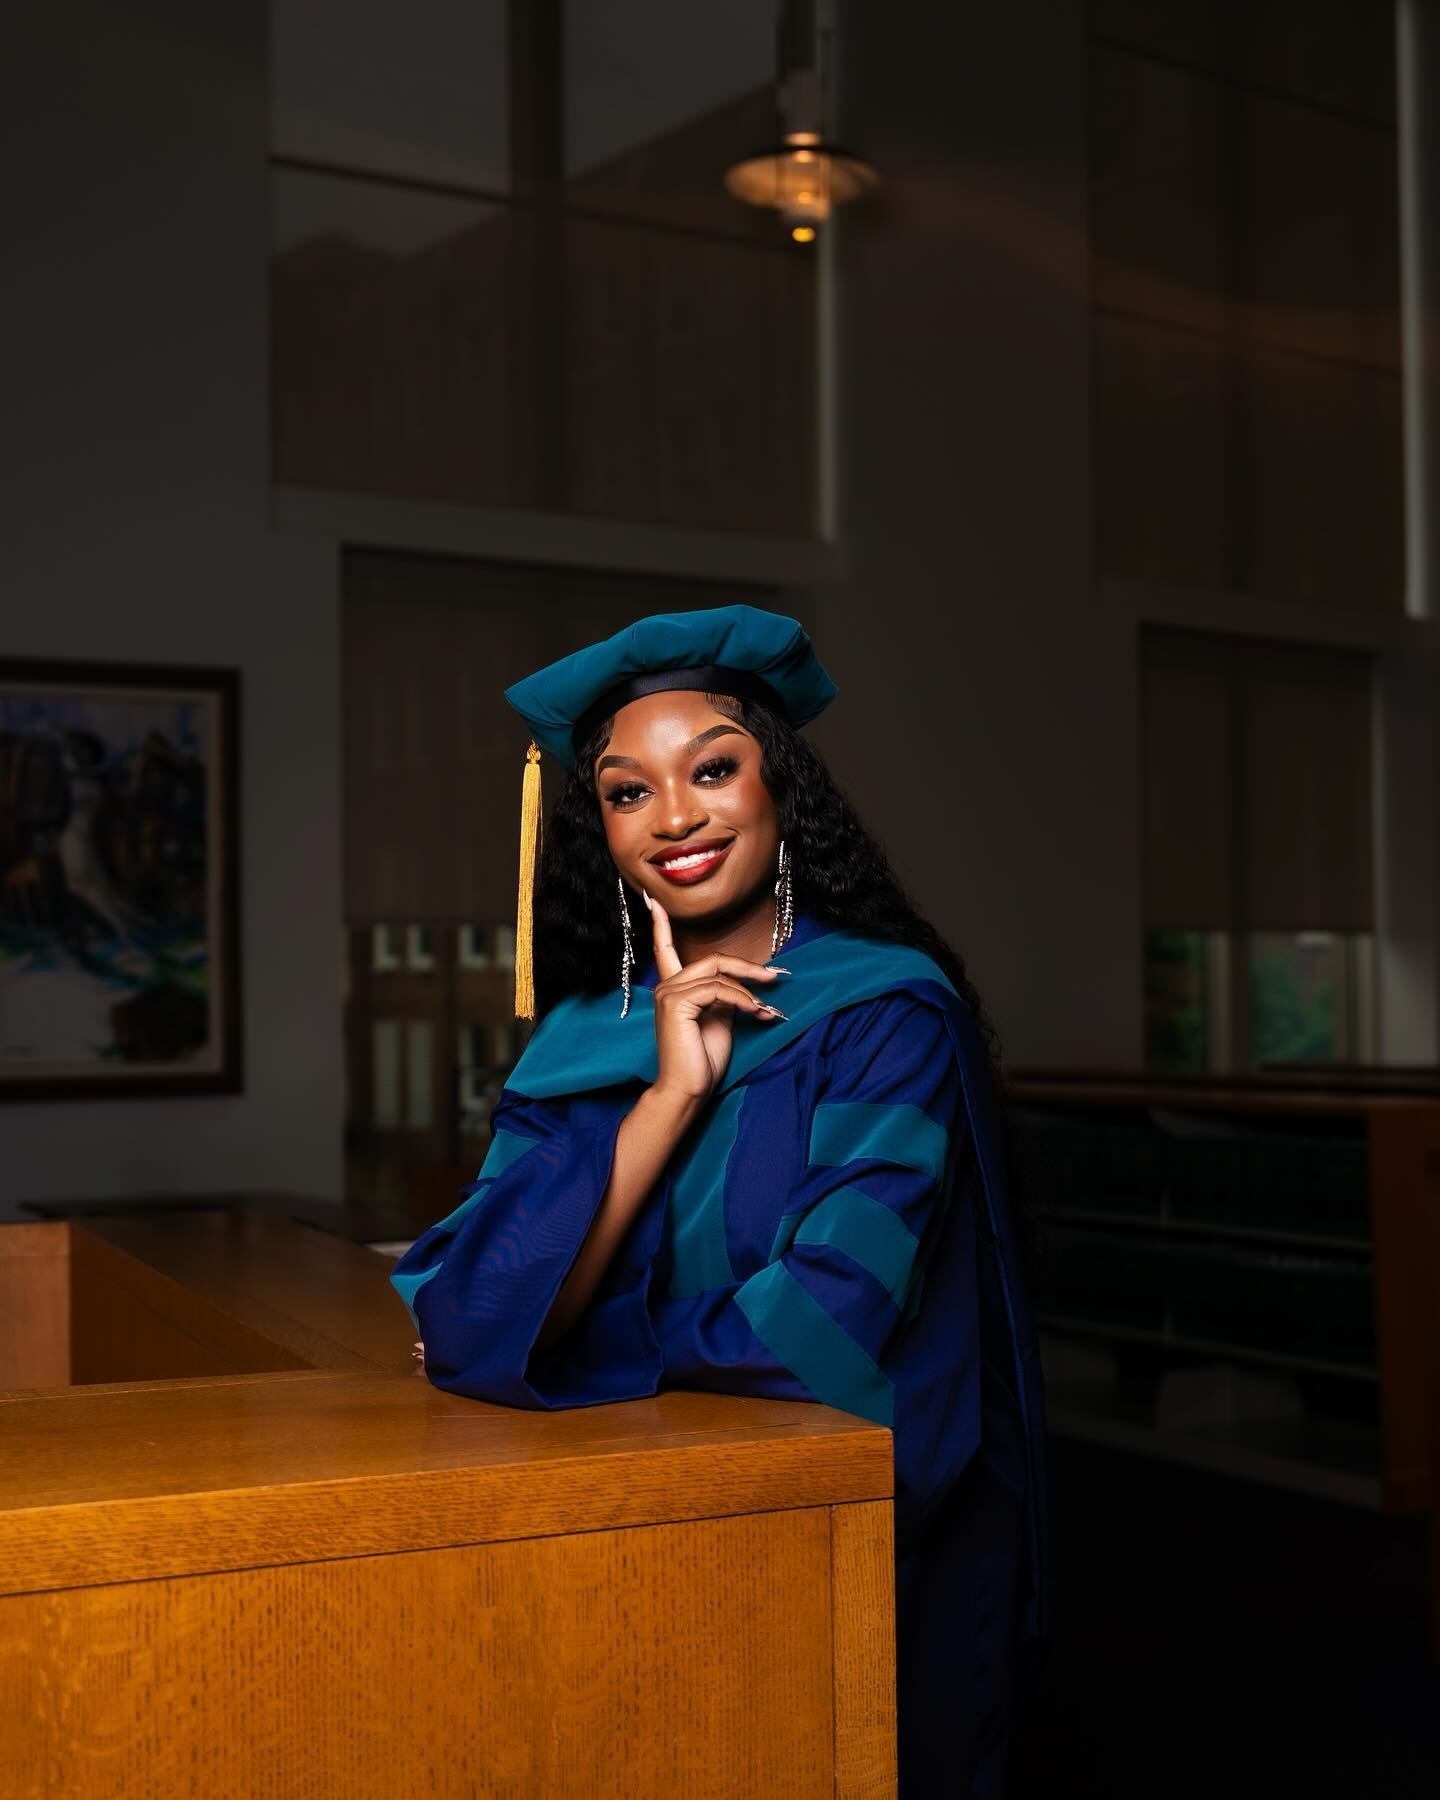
(531, 825)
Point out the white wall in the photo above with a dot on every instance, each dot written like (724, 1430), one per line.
(987, 723)
(136, 527)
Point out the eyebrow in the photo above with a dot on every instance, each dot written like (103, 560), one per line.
(705, 737)
(630, 762)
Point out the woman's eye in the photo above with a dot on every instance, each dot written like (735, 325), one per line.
(719, 768)
(625, 794)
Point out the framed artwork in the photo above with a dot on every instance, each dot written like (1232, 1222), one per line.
(119, 881)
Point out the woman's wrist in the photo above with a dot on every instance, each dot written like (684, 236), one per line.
(671, 1107)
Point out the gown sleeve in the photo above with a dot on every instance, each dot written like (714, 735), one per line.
(815, 1323)
(481, 1283)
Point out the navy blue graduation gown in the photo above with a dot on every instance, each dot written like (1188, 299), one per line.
(835, 1228)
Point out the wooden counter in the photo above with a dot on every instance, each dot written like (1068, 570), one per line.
(269, 1559)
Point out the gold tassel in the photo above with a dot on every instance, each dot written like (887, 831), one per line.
(530, 825)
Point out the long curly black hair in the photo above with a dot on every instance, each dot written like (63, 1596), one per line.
(841, 875)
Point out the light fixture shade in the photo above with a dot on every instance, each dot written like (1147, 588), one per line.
(802, 179)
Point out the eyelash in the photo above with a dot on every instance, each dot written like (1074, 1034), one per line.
(626, 794)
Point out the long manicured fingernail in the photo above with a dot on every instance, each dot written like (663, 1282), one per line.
(646, 898)
(775, 969)
(775, 1012)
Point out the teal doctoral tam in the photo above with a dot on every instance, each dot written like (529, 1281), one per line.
(740, 650)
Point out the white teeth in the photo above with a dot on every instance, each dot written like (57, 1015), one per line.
(692, 861)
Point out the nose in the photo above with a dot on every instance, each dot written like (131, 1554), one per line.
(680, 811)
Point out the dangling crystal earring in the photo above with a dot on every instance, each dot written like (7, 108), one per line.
(627, 953)
(784, 903)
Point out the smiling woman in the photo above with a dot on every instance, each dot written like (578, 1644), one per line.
(702, 1190)
(687, 814)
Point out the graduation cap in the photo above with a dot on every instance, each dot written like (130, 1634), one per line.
(741, 651)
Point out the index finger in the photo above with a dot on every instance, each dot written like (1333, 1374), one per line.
(667, 962)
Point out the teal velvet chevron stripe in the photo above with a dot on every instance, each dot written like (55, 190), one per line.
(408, 1286)
(800, 1334)
(784, 1234)
(697, 1203)
(869, 1233)
(506, 1147)
(851, 1130)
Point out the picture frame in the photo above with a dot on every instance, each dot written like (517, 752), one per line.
(119, 880)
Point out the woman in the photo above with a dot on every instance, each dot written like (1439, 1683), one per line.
(769, 1162)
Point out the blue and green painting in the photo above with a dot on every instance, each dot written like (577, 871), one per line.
(107, 884)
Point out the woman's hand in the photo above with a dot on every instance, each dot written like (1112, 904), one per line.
(695, 1006)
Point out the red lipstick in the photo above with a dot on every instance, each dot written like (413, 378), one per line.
(685, 864)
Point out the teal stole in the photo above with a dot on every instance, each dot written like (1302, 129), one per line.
(584, 1044)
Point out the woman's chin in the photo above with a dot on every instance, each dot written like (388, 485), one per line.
(696, 900)
(717, 899)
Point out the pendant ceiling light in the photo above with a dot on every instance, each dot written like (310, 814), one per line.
(803, 177)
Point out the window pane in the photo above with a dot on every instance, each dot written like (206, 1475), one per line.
(1177, 1024)
(660, 99)
(1188, 30)
(419, 1074)
(505, 1039)
(1161, 503)
(1321, 233)
(1321, 461)
(394, 321)
(1295, 997)
(385, 1080)
(1156, 190)
(1337, 53)
(474, 947)
(419, 89)
(1245, 274)
(1187, 780)
(690, 384)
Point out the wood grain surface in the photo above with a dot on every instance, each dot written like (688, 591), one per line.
(688, 1660)
(270, 1559)
(135, 1483)
(34, 1305)
(863, 1573)
(326, 1301)
(132, 1322)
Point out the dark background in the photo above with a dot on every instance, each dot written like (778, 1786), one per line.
(381, 353)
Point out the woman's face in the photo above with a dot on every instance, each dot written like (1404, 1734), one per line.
(687, 816)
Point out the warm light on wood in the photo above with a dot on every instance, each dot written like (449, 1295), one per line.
(271, 1558)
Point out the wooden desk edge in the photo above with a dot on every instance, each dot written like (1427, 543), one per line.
(164, 1481)
(151, 1537)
